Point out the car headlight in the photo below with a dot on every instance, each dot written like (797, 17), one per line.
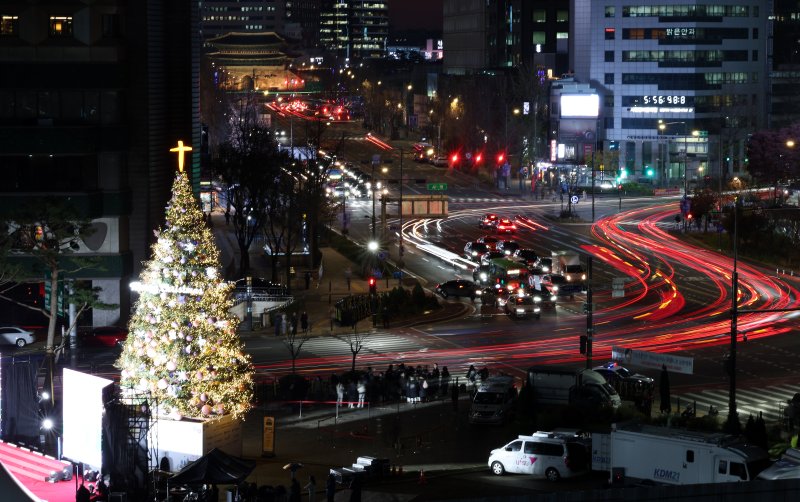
(537, 309)
(555, 288)
(583, 277)
(483, 276)
(537, 299)
(569, 278)
(520, 311)
(553, 298)
(474, 253)
(478, 292)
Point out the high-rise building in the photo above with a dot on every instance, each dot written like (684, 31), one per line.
(218, 17)
(355, 29)
(92, 97)
(682, 84)
(490, 34)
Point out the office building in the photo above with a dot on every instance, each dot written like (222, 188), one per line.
(682, 83)
(92, 97)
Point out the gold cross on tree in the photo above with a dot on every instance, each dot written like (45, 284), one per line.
(181, 149)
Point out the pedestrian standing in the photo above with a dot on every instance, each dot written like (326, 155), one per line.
(308, 279)
(304, 322)
(284, 324)
(294, 323)
(663, 387)
(330, 488)
(339, 393)
(227, 217)
(278, 320)
(294, 491)
(362, 393)
(348, 275)
(311, 487)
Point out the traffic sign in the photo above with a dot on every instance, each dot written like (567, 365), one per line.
(437, 187)
(702, 134)
(574, 199)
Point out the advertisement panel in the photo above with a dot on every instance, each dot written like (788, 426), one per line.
(640, 358)
(580, 105)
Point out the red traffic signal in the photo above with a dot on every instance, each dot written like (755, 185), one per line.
(454, 158)
(373, 285)
(478, 158)
(501, 157)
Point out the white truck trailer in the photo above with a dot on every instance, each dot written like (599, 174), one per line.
(674, 456)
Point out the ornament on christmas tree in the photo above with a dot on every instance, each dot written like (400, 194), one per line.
(182, 312)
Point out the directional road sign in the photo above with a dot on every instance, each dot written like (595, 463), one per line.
(437, 187)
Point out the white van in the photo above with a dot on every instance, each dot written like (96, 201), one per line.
(494, 401)
(550, 455)
(786, 467)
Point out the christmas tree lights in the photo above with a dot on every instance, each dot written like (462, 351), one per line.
(183, 346)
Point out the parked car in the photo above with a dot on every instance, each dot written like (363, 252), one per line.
(103, 336)
(14, 335)
(524, 306)
(616, 374)
(489, 220)
(474, 250)
(459, 288)
(549, 455)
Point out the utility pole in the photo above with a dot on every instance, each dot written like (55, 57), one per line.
(589, 308)
(400, 250)
(733, 416)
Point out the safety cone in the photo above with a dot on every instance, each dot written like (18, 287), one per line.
(422, 480)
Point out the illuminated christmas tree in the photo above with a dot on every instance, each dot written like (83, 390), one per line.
(183, 346)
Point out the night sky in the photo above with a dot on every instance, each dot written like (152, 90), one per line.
(415, 15)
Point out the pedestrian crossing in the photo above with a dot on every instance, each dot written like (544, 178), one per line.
(372, 343)
(770, 401)
(474, 200)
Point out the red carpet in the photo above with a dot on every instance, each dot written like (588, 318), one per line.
(31, 469)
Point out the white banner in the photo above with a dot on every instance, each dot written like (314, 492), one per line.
(674, 364)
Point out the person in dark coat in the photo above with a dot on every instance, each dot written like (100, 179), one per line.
(83, 494)
(355, 489)
(330, 488)
(294, 491)
(663, 387)
(304, 322)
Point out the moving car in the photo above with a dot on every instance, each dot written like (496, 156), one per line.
(440, 161)
(506, 226)
(486, 258)
(489, 241)
(529, 256)
(489, 220)
(103, 336)
(508, 248)
(457, 287)
(474, 250)
(551, 455)
(616, 374)
(14, 335)
(524, 306)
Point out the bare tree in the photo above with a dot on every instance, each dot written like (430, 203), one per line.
(356, 342)
(294, 341)
(250, 166)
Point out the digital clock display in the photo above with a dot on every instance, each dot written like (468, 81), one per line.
(664, 100)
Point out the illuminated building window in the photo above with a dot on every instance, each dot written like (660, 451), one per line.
(60, 26)
(9, 25)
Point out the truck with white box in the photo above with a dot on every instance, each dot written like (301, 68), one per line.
(674, 456)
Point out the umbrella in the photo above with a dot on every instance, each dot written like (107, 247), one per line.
(292, 466)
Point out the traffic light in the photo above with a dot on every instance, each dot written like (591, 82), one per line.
(501, 157)
(373, 286)
(454, 158)
(478, 158)
(649, 171)
(584, 343)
